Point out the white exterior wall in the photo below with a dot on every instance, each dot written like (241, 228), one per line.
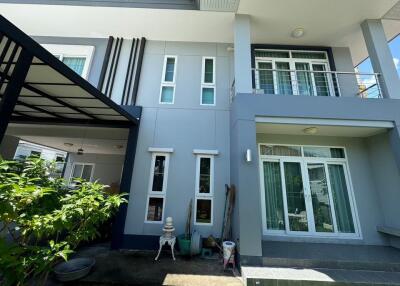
(107, 168)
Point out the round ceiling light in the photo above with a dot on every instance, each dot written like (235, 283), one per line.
(310, 130)
(298, 33)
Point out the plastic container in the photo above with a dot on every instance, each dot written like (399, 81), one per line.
(229, 251)
(184, 245)
(73, 269)
(195, 247)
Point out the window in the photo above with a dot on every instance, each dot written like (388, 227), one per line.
(81, 171)
(167, 90)
(36, 154)
(293, 72)
(76, 57)
(306, 190)
(204, 189)
(157, 188)
(208, 81)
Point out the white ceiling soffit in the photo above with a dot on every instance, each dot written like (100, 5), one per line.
(394, 13)
(336, 131)
(326, 22)
(101, 22)
(219, 5)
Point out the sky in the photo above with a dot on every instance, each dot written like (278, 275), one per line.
(365, 67)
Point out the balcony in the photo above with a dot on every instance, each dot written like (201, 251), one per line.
(315, 83)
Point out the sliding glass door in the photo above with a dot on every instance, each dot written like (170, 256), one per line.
(295, 197)
(306, 196)
(293, 73)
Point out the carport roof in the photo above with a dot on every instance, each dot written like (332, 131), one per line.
(52, 92)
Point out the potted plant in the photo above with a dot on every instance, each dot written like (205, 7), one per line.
(185, 239)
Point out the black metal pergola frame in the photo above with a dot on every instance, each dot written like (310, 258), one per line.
(27, 97)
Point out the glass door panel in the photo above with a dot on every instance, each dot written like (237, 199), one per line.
(284, 79)
(304, 80)
(296, 206)
(321, 79)
(344, 217)
(320, 198)
(275, 214)
(265, 77)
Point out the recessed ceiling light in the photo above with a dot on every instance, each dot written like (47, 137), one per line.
(298, 33)
(310, 130)
(68, 144)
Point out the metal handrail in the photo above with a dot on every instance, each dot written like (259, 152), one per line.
(333, 81)
(327, 72)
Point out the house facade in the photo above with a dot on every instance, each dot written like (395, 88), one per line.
(261, 95)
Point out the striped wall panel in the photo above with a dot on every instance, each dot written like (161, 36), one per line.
(113, 63)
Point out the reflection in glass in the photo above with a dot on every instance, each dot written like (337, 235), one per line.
(344, 218)
(158, 178)
(295, 197)
(273, 196)
(154, 211)
(320, 198)
(203, 211)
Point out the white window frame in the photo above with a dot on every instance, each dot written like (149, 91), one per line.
(168, 83)
(205, 84)
(76, 51)
(162, 194)
(204, 196)
(292, 66)
(84, 164)
(303, 163)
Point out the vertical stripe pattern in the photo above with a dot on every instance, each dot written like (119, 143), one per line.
(110, 67)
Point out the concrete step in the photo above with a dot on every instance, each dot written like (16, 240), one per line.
(274, 276)
(333, 256)
(372, 265)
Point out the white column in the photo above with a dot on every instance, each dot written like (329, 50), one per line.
(381, 57)
(242, 45)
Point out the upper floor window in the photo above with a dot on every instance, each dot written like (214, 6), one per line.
(293, 72)
(76, 57)
(208, 81)
(167, 90)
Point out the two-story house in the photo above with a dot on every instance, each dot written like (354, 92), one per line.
(259, 94)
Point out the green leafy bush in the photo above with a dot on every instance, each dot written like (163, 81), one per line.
(42, 220)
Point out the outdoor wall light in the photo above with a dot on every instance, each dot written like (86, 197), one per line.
(68, 144)
(80, 151)
(248, 156)
(310, 130)
(298, 33)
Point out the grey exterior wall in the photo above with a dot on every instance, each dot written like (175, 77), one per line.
(183, 126)
(387, 180)
(246, 107)
(99, 44)
(343, 63)
(367, 196)
(107, 169)
(231, 129)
